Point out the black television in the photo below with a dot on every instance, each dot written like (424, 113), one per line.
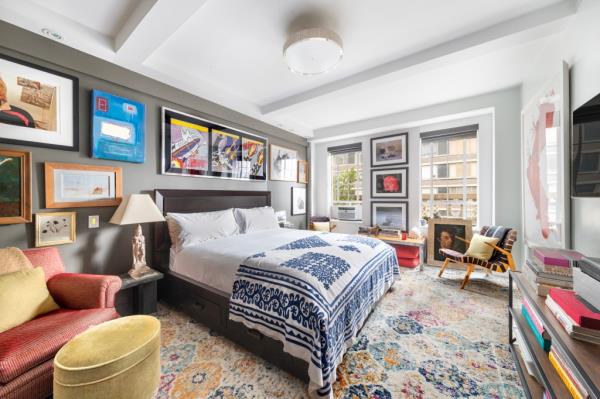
(585, 150)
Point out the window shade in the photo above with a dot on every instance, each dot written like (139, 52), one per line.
(344, 149)
(470, 130)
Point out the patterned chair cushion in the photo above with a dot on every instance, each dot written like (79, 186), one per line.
(38, 340)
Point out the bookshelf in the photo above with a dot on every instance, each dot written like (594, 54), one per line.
(583, 358)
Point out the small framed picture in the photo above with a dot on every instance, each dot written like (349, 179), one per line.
(54, 228)
(389, 150)
(40, 106)
(445, 233)
(303, 172)
(298, 201)
(15, 187)
(390, 215)
(389, 183)
(284, 165)
(70, 185)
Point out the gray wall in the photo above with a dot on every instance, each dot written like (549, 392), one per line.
(107, 249)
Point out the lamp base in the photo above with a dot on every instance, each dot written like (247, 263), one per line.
(139, 271)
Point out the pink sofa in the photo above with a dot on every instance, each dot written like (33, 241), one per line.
(27, 351)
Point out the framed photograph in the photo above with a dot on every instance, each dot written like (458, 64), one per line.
(192, 146)
(118, 128)
(303, 172)
(389, 183)
(390, 215)
(545, 163)
(70, 185)
(54, 228)
(298, 201)
(284, 165)
(443, 233)
(389, 150)
(15, 187)
(38, 106)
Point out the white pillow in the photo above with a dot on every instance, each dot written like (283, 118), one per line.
(256, 219)
(194, 228)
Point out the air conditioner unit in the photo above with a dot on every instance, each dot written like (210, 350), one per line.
(347, 212)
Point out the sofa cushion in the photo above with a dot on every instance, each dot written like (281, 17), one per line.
(38, 340)
(12, 259)
(23, 297)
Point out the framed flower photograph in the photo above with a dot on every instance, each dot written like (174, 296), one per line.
(298, 201)
(303, 172)
(389, 150)
(15, 187)
(284, 165)
(70, 185)
(38, 106)
(389, 183)
(390, 215)
(54, 228)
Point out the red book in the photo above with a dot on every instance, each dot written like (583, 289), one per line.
(577, 310)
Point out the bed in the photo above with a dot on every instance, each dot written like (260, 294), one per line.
(294, 297)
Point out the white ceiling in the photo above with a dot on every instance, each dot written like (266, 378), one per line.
(398, 54)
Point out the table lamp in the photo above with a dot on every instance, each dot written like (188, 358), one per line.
(136, 209)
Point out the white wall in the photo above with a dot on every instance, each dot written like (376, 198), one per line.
(499, 146)
(579, 46)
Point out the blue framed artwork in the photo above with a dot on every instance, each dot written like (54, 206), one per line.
(118, 128)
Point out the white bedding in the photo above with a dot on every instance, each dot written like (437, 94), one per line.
(216, 262)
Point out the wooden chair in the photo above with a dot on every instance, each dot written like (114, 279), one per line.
(501, 260)
(321, 219)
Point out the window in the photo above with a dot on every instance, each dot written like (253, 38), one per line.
(346, 174)
(449, 174)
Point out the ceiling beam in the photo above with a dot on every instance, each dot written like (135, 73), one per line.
(473, 44)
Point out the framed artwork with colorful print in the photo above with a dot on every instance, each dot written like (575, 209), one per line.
(118, 128)
(38, 106)
(389, 183)
(389, 150)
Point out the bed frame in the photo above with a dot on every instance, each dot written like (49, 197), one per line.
(205, 304)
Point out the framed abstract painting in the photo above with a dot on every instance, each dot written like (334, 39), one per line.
(284, 164)
(390, 215)
(15, 187)
(389, 183)
(545, 163)
(38, 106)
(389, 150)
(54, 228)
(70, 185)
(118, 128)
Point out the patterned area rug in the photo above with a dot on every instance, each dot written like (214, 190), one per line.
(426, 339)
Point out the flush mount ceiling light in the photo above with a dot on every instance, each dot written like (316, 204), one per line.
(313, 51)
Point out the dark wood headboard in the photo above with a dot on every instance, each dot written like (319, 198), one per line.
(188, 201)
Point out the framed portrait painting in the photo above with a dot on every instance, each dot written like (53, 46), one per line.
(303, 172)
(70, 185)
(390, 215)
(298, 201)
(389, 183)
(447, 233)
(38, 106)
(54, 228)
(389, 150)
(15, 187)
(118, 128)
(284, 165)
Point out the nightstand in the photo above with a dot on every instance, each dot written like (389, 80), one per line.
(144, 291)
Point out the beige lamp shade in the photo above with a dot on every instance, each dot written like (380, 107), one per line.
(137, 208)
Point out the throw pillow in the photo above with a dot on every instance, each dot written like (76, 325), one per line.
(479, 249)
(321, 226)
(13, 259)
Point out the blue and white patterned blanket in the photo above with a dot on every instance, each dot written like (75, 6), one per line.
(314, 294)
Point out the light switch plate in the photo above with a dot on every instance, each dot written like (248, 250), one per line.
(93, 221)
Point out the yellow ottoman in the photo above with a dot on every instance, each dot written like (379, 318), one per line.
(116, 359)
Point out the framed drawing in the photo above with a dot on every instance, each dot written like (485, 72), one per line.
(389, 183)
(298, 201)
(389, 150)
(70, 185)
(193, 146)
(444, 233)
(545, 163)
(38, 106)
(15, 187)
(54, 228)
(283, 164)
(118, 128)
(390, 215)
(303, 172)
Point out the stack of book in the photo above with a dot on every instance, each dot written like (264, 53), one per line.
(535, 324)
(565, 373)
(586, 281)
(546, 268)
(579, 320)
